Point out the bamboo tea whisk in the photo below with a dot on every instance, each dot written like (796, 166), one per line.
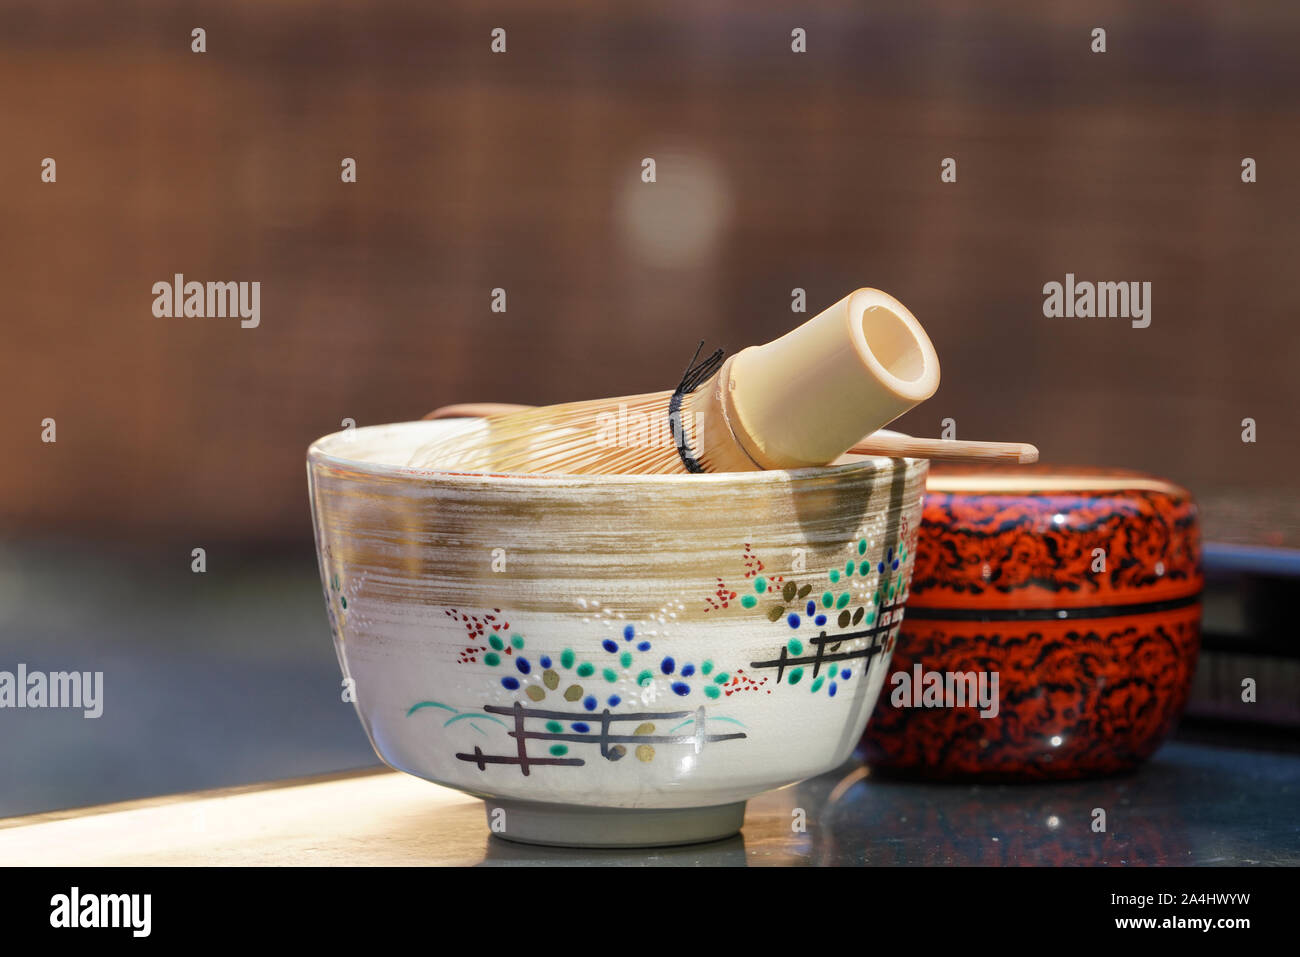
(801, 400)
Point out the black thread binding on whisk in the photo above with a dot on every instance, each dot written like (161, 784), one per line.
(695, 376)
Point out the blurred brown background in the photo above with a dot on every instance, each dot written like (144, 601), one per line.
(522, 171)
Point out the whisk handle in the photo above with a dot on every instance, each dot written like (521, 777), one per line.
(807, 397)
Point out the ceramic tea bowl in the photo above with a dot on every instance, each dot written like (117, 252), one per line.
(610, 659)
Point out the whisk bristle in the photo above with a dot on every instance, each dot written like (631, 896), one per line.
(631, 435)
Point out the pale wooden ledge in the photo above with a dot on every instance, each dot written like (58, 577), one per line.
(358, 818)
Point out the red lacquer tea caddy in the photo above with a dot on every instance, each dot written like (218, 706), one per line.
(1080, 589)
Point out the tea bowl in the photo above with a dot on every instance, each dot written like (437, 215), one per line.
(610, 660)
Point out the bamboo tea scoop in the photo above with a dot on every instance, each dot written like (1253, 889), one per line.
(798, 401)
(946, 450)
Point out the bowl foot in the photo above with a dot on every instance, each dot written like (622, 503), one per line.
(567, 825)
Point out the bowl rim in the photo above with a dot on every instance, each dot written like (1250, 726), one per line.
(319, 453)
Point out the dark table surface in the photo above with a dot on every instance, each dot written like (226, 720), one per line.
(1192, 804)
